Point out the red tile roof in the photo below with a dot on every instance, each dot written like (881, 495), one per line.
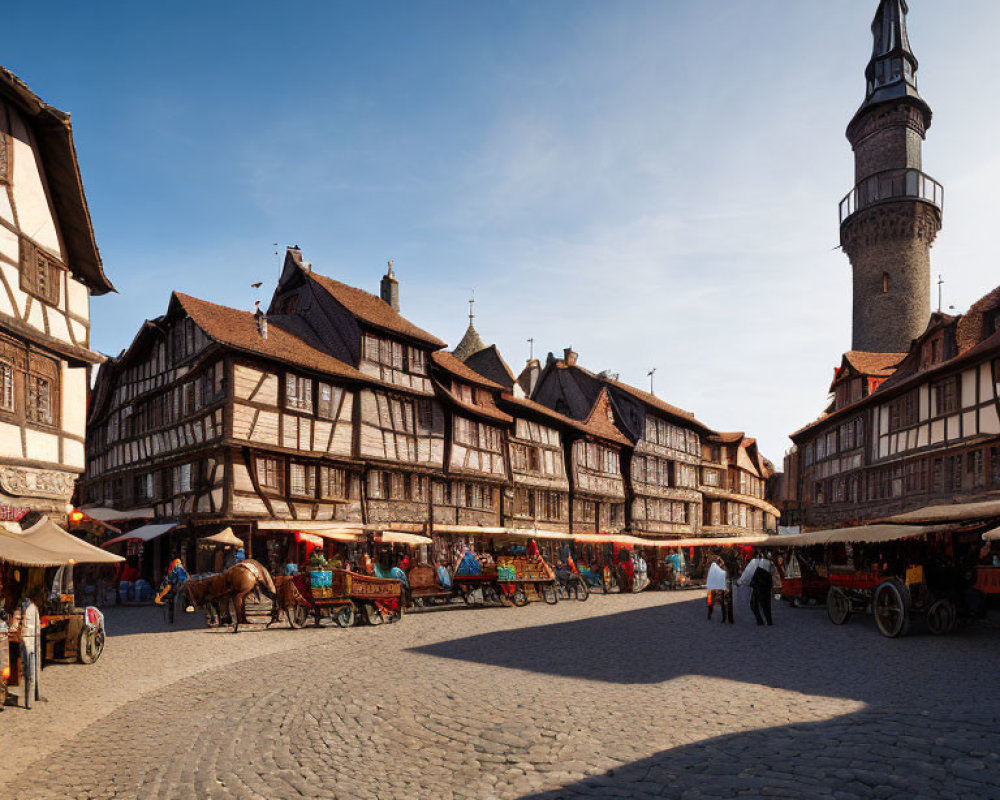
(878, 365)
(373, 310)
(558, 419)
(452, 365)
(490, 411)
(238, 329)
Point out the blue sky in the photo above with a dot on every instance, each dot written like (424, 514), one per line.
(652, 183)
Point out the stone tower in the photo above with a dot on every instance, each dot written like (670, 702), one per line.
(890, 219)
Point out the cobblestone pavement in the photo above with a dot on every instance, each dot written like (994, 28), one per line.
(632, 696)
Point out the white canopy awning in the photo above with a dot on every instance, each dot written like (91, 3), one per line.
(224, 537)
(401, 537)
(313, 526)
(992, 535)
(862, 534)
(46, 535)
(101, 514)
(144, 533)
(953, 512)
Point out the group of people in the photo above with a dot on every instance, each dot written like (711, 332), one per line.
(723, 584)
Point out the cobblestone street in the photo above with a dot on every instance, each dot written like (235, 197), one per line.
(632, 696)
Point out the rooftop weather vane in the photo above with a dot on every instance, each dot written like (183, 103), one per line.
(650, 374)
(472, 302)
(531, 348)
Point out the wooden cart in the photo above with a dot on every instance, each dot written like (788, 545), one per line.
(339, 595)
(485, 581)
(524, 579)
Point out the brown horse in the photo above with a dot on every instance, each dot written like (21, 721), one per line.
(230, 589)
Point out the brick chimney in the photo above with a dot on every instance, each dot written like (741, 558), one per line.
(389, 289)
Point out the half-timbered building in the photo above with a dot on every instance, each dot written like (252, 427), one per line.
(400, 433)
(734, 482)
(930, 432)
(471, 493)
(49, 267)
(664, 463)
(596, 450)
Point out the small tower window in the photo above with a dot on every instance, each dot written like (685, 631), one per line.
(885, 283)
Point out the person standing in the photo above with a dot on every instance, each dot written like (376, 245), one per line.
(716, 582)
(758, 576)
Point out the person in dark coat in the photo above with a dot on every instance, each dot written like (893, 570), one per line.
(758, 576)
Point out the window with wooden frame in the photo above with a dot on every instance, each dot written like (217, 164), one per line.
(270, 474)
(902, 412)
(298, 392)
(41, 273)
(302, 480)
(333, 484)
(947, 395)
(211, 383)
(6, 387)
(417, 361)
(425, 416)
(42, 390)
(145, 487)
(328, 401)
(183, 478)
(378, 485)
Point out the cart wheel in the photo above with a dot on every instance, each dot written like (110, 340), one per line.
(297, 616)
(345, 617)
(941, 617)
(582, 592)
(90, 645)
(891, 605)
(520, 597)
(491, 596)
(549, 594)
(28, 681)
(838, 606)
(372, 614)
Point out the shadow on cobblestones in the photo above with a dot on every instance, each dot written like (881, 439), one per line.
(803, 653)
(865, 755)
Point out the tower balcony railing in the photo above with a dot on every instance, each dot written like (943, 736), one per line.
(892, 184)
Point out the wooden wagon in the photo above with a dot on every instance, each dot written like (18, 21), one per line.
(523, 579)
(339, 595)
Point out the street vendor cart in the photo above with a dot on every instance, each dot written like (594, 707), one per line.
(526, 578)
(339, 595)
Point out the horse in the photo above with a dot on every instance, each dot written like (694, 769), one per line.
(230, 589)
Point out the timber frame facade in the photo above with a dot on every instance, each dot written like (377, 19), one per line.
(929, 433)
(49, 267)
(332, 411)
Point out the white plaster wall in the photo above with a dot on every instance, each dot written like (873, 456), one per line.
(74, 399)
(77, 298)
(10, 441)
(73, 454)
(41, 446)
(30, 198)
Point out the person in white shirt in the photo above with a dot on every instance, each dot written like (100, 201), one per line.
(716, 582)
(758, 576)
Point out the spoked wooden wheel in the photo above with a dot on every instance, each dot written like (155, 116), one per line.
(892, 608)
(297, 616)
(345, 616)
(549, 593)
(90, 645)
(373, 614)
(520, 597)
(491, 594)
(838, 606)
(941, 617)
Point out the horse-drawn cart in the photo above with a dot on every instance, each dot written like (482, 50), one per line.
(339, 595)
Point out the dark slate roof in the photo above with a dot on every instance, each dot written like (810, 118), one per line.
(54, 133)
(471, 343)
(489, 363)
(452, 365)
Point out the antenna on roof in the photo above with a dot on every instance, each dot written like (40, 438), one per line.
(531, 348)
(472, 302)
(940, 293)
(650, 374)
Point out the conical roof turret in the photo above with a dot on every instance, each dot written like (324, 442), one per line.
(891, 73)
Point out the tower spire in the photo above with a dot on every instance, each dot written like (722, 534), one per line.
(889, 220)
